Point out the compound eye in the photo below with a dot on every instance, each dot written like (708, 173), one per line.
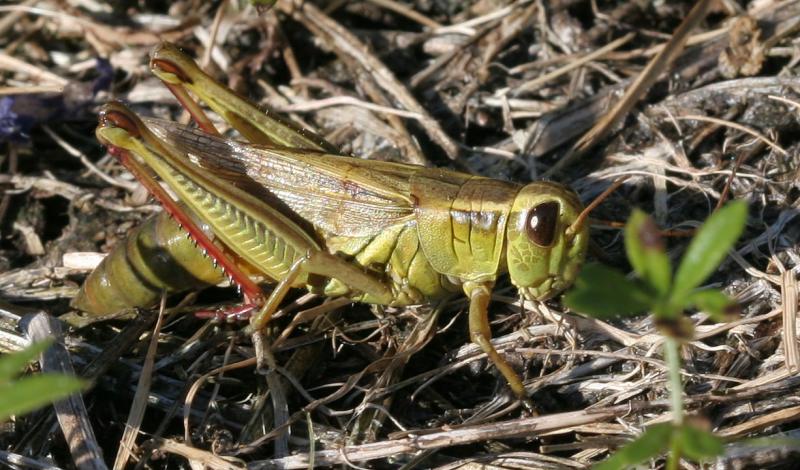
(541, 223)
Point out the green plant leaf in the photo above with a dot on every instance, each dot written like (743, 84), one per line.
(604, 292)
(646, 251)
(697, 444)
(709, 247)
(653, 442)
(30, 393)
(13, 364)
(719, 306)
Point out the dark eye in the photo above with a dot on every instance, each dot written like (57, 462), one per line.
(541, 223)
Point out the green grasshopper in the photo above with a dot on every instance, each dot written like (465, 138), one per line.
(287, 207)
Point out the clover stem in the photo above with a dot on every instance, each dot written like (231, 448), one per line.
(674, 455)
(672, 353)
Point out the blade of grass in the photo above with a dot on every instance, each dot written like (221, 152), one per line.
(30, 393)
(646, 252)
(604, 292)
(708, 248)
(13, 364)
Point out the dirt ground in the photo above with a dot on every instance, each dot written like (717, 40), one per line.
(575, 91)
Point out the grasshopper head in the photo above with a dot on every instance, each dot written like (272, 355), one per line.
(546, 241)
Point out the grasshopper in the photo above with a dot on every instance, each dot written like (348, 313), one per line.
(288, 207)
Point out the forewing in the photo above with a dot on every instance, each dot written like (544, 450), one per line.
(339, 195)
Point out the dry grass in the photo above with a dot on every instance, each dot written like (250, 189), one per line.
(507, 89)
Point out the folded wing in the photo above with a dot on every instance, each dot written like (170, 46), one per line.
(339, 195)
